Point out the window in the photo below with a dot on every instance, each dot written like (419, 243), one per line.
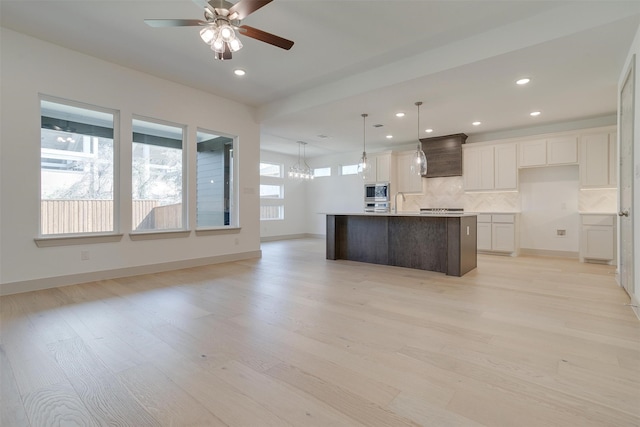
(317, 172)
(156, 176)
(271, 212)
(271, 191)
(349, 169)
(76, 168)
(215, 191)
(271, 169)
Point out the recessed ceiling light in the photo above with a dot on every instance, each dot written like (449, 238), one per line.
(389, 136)
(399, 114)
(428, 130)
(534, 113)
(523, 81)
(239, 72)
(476, 123)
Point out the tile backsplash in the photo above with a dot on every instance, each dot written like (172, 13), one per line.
(598, 200)
(448, 192)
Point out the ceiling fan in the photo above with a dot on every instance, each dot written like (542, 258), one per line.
(222, 19)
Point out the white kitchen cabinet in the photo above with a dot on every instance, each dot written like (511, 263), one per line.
(562, 150)
(549, 152)
(407, 182)
(597, 238)
(380, 168)
(505, 167)
(598, 160)
(478, 168)
(497, 233)
(484, 232)
(490, 167)
(533, 153)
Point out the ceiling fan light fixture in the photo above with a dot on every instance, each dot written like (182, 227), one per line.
(235, 45)
(226, 32)
(218, 45)
(208, 34)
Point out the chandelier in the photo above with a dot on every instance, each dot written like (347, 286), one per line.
(301, 170)
(220, 35)
(419, 165)
(363, 166)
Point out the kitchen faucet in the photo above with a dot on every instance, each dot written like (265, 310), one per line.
(395, 201)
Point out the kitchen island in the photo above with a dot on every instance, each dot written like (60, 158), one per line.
(444, 243)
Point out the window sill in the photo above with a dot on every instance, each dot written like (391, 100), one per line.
(157, 235)
(217, 231)
(74, 239)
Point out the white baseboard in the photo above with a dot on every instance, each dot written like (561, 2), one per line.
(635, 306)
(290, 237)
(549, 253)
(74, 279)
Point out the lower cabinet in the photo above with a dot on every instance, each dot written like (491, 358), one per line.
(598, 238)
(497, 232)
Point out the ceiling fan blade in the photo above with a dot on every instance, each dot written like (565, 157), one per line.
(244, 8)
(263, 36)
(174, 22)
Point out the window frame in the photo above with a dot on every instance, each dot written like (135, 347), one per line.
(63, 239)
(323, 168)
(234, 214)
(177, 232)
(346, 166)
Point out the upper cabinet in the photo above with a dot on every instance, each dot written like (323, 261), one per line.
(598, 160)
(407, 182)
(490, 167)
(382, 168)
(551, 151)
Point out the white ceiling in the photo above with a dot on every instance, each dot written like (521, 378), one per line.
(461, 58)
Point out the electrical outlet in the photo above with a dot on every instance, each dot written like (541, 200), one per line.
(84, 255)
(561, 233)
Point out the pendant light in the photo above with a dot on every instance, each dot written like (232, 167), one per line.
(419, 165)
(363, 165)
(301, 170)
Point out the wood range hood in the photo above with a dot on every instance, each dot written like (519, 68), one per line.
(444, 155)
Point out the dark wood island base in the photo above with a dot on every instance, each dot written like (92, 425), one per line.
(446, 243)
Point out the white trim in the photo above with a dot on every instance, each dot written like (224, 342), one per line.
(289, 237)
(155, 235)
(549, 253)
(69, 239)
(74, 279)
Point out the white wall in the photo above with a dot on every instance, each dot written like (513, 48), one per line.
(295, 201)
(335, 193)
(635, 50)
(549, 201)
(31, 67)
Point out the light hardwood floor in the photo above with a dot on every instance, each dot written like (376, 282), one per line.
(295, 340)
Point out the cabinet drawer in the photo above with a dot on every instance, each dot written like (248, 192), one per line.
(484, 217)
(503, 218)
(597, 220)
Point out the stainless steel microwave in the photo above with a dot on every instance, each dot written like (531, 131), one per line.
(378, 192)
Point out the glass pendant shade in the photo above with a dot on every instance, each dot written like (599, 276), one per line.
(363, 164)
(419, 164)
